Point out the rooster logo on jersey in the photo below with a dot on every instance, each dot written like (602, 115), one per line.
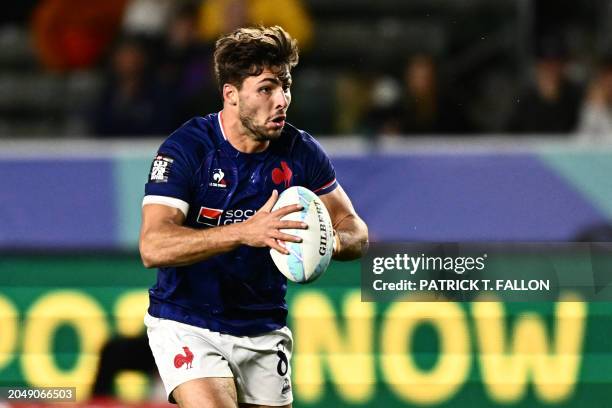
(282, 175)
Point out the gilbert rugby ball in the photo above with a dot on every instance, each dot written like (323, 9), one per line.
(308, 259)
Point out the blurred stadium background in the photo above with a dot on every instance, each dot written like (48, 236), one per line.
(448, 120)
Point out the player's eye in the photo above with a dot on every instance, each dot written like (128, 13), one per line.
(265, 90)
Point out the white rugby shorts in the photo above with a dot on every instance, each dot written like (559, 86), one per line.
(260, 365)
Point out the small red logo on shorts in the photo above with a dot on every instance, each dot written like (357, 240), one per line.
(181, 359)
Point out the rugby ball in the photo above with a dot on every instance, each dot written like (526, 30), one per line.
(308, 259)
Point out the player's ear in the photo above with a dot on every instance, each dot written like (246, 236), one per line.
(230, 94)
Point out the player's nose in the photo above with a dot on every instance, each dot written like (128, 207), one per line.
(282, 100)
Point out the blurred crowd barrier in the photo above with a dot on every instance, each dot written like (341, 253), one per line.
(84, 195)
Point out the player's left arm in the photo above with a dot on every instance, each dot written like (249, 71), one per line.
(351, 232)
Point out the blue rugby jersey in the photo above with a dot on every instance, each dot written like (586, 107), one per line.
(198, 171)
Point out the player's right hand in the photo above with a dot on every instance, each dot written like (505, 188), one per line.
(264, 228)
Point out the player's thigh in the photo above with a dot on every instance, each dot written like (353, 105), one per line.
(262, 369)
(217, 392)
(262, 406)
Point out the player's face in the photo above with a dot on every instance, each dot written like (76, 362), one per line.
(262, 103)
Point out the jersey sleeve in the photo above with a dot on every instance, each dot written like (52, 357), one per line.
(320, 173)
(170, 176)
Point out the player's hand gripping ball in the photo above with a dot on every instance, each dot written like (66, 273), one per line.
(308, 259)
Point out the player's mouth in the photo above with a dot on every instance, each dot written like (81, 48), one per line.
(278, 121)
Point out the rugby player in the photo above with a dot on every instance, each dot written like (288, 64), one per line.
(217, 315)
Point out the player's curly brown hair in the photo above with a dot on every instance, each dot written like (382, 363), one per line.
(248, 51)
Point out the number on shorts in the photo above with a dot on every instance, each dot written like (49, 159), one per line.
(283, 361)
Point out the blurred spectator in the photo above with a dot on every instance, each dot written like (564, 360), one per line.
(423, 107)
(132, 103)
(596, 115)
(186, 66)
(74, 34)
(551, 103)
(223, 16)
(351, 100)
(147, 17)
(385, 114)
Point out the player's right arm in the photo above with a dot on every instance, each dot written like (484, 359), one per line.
(165, 241)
